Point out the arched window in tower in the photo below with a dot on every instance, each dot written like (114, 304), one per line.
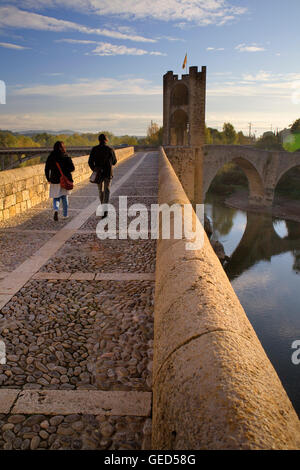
(180, 95)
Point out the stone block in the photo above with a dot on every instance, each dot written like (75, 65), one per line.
(20, 185)
(23, 206)
(12, 211)
(25, 195)
(7, 399)
(29, 183)
(32, 193)
(8, 189)
(18, 208)
(19, 197)
(5, 214)
(96, 402)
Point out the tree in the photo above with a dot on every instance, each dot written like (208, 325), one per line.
(154, 134)
(215, 136)
(269, 141)
(229, 133)
(242, 139)
(295, 127)
(128, 140)
(208, 136)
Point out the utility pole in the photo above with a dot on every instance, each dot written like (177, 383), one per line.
(250, 127)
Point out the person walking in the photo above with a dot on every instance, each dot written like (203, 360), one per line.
(59, 163)
(102, 158)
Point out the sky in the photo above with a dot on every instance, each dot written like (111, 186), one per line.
(92, 65)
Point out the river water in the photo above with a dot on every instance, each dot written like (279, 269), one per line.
(264, 271)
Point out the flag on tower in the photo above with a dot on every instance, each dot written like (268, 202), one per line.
(184, 62)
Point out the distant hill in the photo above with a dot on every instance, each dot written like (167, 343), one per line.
(32, 132)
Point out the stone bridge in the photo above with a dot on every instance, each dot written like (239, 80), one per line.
(263, 169)
(125, 344)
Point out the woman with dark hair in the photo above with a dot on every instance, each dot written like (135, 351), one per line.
(58, 159)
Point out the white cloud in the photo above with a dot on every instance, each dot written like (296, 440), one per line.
(262, 84)
(215, 49)
(107, 49)
(86, 87)
(201, 12)
(16, 18)
(261, 76)
(12, 46)
(250, 48)
(76, 41)
(171, 38)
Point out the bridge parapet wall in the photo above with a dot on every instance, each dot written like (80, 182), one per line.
(214, 387)
(196, 168)
(23, 188)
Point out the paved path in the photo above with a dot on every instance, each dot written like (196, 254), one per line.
(77, 321)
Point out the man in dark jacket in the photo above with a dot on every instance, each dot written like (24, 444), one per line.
(102, 158)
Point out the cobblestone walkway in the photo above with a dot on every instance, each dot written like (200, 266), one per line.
(77, 321)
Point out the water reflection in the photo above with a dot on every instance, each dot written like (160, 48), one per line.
(249, 237)
(264, 271)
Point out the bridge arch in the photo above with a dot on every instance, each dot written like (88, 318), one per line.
(288, 183)
(255, 182)
(294, 162)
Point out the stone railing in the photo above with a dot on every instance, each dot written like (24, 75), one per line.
(23, 188)
(213, 384)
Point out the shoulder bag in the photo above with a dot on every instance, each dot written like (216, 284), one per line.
(64, 181)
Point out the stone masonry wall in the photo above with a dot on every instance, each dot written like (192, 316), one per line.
(187, 164)
(213, 384)
(23, 188)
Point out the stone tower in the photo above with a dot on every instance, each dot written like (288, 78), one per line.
(184, 108)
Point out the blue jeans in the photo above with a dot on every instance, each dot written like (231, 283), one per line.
(65, 203)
